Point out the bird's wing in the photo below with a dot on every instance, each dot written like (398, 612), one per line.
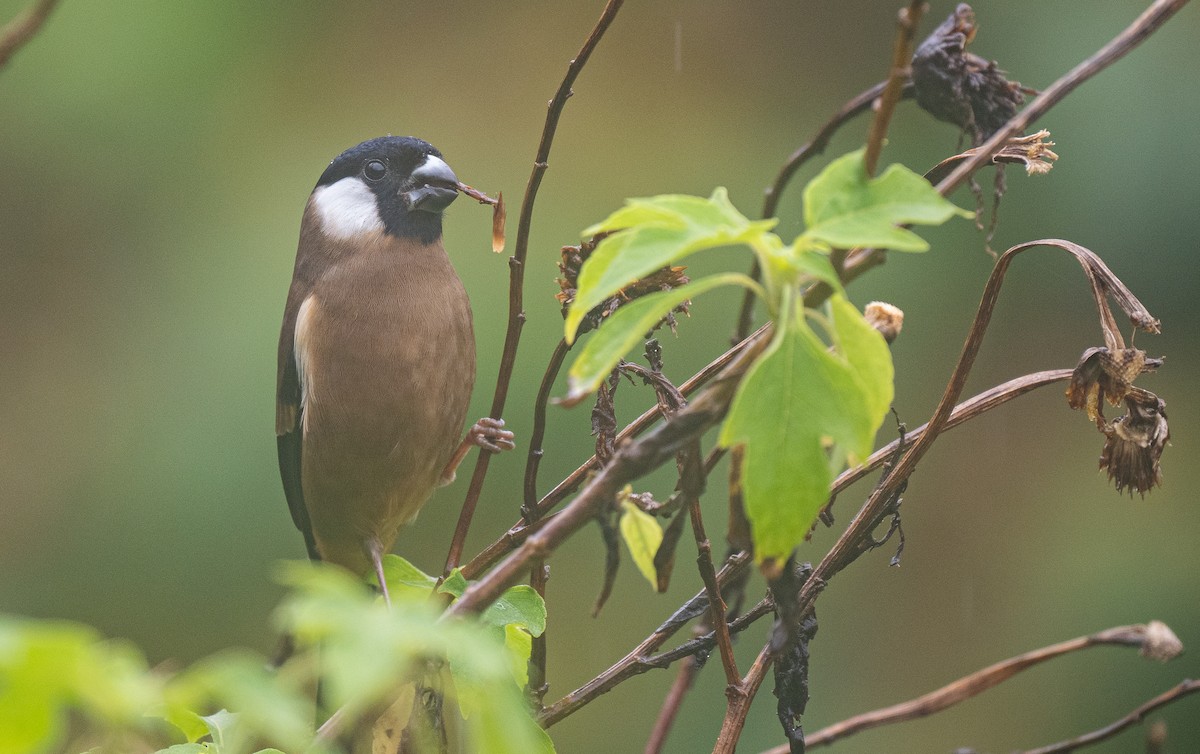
(289, 424)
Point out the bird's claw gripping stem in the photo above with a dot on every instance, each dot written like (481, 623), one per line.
(488, 434)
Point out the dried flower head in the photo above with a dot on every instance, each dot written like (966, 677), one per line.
(1160, 642)
(1106, 375)
(572, 260)
(959, 87)
(1134, 443)
(885, 318)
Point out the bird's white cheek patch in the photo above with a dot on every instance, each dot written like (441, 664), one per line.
(347, 208)
(303, 349)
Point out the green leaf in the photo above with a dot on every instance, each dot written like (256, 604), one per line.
(642, 535)
(455, 584)
(868, 355)
(799, 398)
(519, 606)
(519, 644)
(655, 232)
(190, 748)
(626, 328)
(404, 579)
(845, 209)
(188, 722)
(220, 725)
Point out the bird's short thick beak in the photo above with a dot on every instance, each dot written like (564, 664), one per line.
(436, 186)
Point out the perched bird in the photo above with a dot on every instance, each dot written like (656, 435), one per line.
(376, 354)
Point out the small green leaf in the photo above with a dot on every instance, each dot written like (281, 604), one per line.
(188, 722)
(653, 233)
(455, 584)
(404, 579)
(845, 209)
(219, 725)
(519, 606)
(520, 646)
(798, 398)
(192, 748)
(627, 327)
(868, 355)
(642, 535)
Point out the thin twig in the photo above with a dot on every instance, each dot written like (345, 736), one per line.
(671, 704)
(529, 509)
(518, 532)
(974, 684)
(538, 572)
(632, 460)
(635, 664)
(1133, 718)
(516, 265)
(641, 658)
(740, 698)
(21, 29)
(901, 71)
(692, 482)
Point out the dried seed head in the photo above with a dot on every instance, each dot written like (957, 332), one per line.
(1134, 443)
(959, 87)
(885, 318)
(1160, 642)
(572, 260)
(1105, 375)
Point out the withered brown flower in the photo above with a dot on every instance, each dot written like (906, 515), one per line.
(572, 260)
(960, 87)
(1104, 374)
(1134, 443)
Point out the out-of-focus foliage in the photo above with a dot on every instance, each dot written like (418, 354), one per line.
(363, 654)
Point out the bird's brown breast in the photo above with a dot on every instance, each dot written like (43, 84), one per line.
(386, 354)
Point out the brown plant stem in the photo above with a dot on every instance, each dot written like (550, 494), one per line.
(642, 658)
(671, 704)
(529, 509)
(969, 686)
(692, 481)
(516, 266)
(631, 461)
(740, 698)
(517, 533)
(538, 572)
(1136, 716)
(17, 32)
(901, 71)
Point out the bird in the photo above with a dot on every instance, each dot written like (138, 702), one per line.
(376, 355)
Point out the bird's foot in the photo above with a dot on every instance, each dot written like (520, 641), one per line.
(490, 434)
(487, 433)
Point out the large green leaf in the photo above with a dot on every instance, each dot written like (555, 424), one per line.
(652, 233)
(800, 398)
(844, 208)
(626, 328)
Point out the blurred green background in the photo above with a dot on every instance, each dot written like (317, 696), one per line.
(156, 158)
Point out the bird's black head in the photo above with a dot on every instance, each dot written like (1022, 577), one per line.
(398, 184)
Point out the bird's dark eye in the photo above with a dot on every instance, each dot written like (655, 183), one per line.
(374, 170)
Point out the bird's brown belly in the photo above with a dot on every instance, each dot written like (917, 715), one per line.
(376, 440)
